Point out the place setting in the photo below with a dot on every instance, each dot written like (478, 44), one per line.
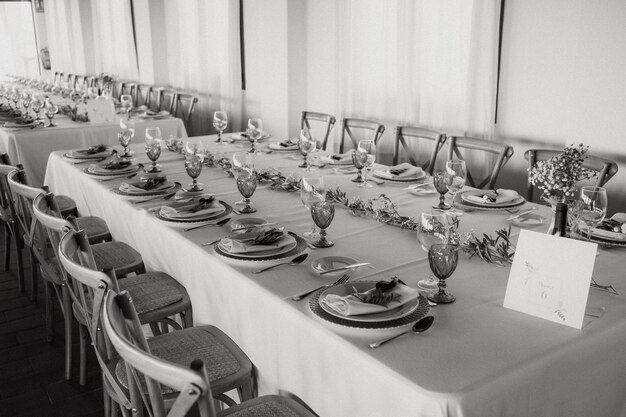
(93, 153)
(194, 213)
(147, 188)
(404, 172)
(113, 168)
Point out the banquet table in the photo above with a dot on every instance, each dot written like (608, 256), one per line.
(31, 147)
(478, 359)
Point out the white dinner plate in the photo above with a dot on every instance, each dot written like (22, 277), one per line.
(164, 188)
(512, 203)
(301, 246)
(386, 175)
(160, 115)
(237, 136)
(263, 254)
(184, 224)
(276, 147)
(349, 287)
(245, 222)
(326, 263)
(424, 191)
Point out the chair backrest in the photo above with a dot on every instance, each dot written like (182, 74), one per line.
(410, 135)
(326, 120)
(71, 79)
(23, 197)
(166, 99)
(78, 81)
(184, 106)
(500, 151)
(126, 87)
(605, 168)
(6, 197)
(349, 127)
(90, 81)
(57, 76)
(142, 95)
(123, 329)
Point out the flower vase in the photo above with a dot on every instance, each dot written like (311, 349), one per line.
(553, 200)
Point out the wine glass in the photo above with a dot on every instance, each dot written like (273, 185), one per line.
(458, 172)
(312, 190)
(593, 207)
(359, 159)
(241, 163)
(26, 101)
(307, 146)
(323, 213)
(126, 100)
(433, 228)
(194, 156)
(153, 147)
(220, 122)
(243, 170)
(254, 131)
(51, 110)
(127, 134)
(368, 149)
(37, 105)
(443, 259)
(442, 181)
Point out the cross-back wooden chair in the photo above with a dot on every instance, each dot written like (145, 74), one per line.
(406, 136)
(166, 99)
(184, 106)
(142, 95)
(605, 168)
(11, 223)
(78, 81)
(190, 382)
(90, 81)
(457, 145)
(324, 121)
(205, 342)
(126, 87)
(57, 76)
(350, 127)
(71, 79)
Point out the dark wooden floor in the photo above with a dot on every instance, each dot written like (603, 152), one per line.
(32, 383)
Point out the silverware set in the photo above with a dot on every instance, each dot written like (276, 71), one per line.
(344, 278)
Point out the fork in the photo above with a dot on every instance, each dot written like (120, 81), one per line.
(344, 278)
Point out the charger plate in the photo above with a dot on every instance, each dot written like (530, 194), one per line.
(417, 314)
(191, 222)
(76, 155)
(114, 173)
(301, 245)
(601, 240)
(512, 203)
(462, 204)
(238, 137)
(170, 188)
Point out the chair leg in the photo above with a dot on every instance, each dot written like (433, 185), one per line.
(19, 245)
(34, 285)
(246, 391)
(155, 329)
(49, 311)
(186, 318)
(83, 355)
(67, 320)
(7, 247)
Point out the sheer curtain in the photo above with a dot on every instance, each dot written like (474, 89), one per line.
(65, 36)
(17, 40)
(114, 44)
(417, 62)
(201, 55)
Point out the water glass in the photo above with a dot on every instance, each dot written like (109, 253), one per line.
(153, 147)
(458, 172)
(194, 156)
(246, 184)
(367, 149)
(443, 259)
(441, 181)
(254, 131)
(323, 213)
(433, 228)
(51, 110)
(312, 190)
(593, 207)
(126, 136)
(307, 146)
(220, 123)
(126, 100)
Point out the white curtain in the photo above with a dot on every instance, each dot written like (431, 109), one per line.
(17, 40)
(114, 44)
(200, 53)
(65, 36)
(418, 62)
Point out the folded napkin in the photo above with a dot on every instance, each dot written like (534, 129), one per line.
(151, 113)
(612, 228)
(92, 150)
(405, 170)
(286, 145)
(353, 305)
(116, 165)
(189, 209)
(151, 184)
(260, 239)
(492, 197)
(341, 158)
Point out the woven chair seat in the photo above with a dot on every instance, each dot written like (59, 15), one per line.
(95, 228)
(118, 256)
(67, 206)
(268, 406)
(152, 290)
(223, 358)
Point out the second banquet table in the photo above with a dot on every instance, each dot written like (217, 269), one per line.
(32, 147)
(478, 359)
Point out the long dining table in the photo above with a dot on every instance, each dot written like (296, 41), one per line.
(31, 147)
(478, 359)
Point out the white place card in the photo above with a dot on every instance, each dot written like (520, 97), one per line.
(550, 277)
(101, 110)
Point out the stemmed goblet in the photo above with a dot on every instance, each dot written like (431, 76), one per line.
(220, 122)
(254, 131)
(359, 159)
(126, 100)
(153, 147)
(307, 146)
(243, 170)
(443, 259)
(368, 149)
(312, 190)
(593, 206)
(323, 213)
(51, 110)
(442, 181)
(458, 172)
(126, 135)
(194, 156)
(26, 102)
(433, 228)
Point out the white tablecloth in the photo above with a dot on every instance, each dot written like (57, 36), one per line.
(31, 147)
(479, 359)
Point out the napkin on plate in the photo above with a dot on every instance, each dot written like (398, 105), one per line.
(351, 305)
(405, 170)
(493, 197)
(151, 184)
(202, 207)
(259, 239)
(341, 158)
(91, 151)
(289, 144)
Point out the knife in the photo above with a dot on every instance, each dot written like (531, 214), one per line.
(345, 267)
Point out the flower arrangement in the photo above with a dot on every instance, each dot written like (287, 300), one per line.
(105, 80)
(557, 176)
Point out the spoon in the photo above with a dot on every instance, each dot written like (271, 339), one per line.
(295, 261)
(220, 223)
(419, 327)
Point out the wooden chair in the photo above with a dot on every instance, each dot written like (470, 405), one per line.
(126, 87)
(406, 135)
(605, 168)
(11, 226)
(368, 127)
(71, 80)
(191, 385)
(79, 80)
(205, 342)
(326, 120)
(183, 107)
(90, 81)
(502, 153)
(142, 95)
(166, 99)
